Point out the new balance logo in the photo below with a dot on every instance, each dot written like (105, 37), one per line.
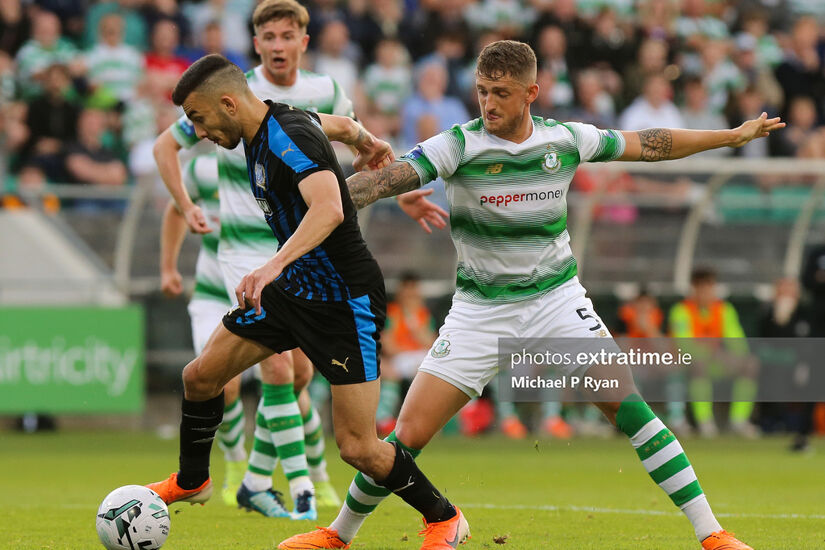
(337, 363)
(287, 150)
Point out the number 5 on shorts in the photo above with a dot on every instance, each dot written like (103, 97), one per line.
(582, 311)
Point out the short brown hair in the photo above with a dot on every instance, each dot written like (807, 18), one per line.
(507, 58)
(272, 10)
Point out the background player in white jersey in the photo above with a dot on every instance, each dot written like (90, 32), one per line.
(246, 243)
(507, 175)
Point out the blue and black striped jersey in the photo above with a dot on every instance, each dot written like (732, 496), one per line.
(289, 146)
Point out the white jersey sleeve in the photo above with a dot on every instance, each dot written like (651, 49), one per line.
(341, 104)
(184, 132)
(596, 145)
(438, 156)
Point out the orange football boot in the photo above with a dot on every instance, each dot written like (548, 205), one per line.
(513, 428)
(446, 534)
(558, 428)
(722, 540)
(322, 537)
(170, 491)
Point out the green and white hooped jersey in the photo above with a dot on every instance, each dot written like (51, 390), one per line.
(244, 231)
(201, 180)
(508, 203)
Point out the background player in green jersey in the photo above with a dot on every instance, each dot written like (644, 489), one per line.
(507, 175)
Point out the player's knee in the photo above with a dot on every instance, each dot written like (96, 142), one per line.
(303, 375)
(412, 436)
(353, 453)
(197, 384)
(277, 369)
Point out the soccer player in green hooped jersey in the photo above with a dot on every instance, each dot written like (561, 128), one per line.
(507, 175)
(246, 243)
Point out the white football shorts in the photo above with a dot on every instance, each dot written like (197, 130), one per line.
(465, 354)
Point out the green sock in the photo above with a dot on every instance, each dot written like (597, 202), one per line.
(315, 445)
(280, 410)
(231, 432)
(264, 456)
(659, 450)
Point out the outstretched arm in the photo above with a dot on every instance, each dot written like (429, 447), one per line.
(367, 187)
(669, 143)
(400, 179)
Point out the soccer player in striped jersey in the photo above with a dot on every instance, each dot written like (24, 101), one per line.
(246, 243)
(507, 175)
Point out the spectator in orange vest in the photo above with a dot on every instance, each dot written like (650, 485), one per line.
(704, 315)
(641, 317)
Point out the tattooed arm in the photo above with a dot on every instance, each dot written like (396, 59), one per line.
(670, 143)
(367, 187)
(400, 179)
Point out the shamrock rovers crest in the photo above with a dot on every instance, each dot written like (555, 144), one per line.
(441, 348)
(552, 162)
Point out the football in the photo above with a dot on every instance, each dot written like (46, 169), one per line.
(132, 517)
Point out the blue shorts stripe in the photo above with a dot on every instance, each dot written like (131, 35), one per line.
(365, 325)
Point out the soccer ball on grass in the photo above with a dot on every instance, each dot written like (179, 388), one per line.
(132, 517)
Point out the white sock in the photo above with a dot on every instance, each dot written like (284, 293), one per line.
(235, 454)
(348, 523)
(701, 516)
(300, 484)
(256, 482)
(318, 474)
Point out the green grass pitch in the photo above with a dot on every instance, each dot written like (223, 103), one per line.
(585, 494)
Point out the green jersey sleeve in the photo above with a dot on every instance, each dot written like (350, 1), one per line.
(438, 156)
(184, 132)
(596, 145)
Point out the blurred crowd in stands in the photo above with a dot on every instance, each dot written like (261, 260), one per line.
(85, 85)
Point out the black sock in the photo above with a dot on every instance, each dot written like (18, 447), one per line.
(198, 424)
(409, 483)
